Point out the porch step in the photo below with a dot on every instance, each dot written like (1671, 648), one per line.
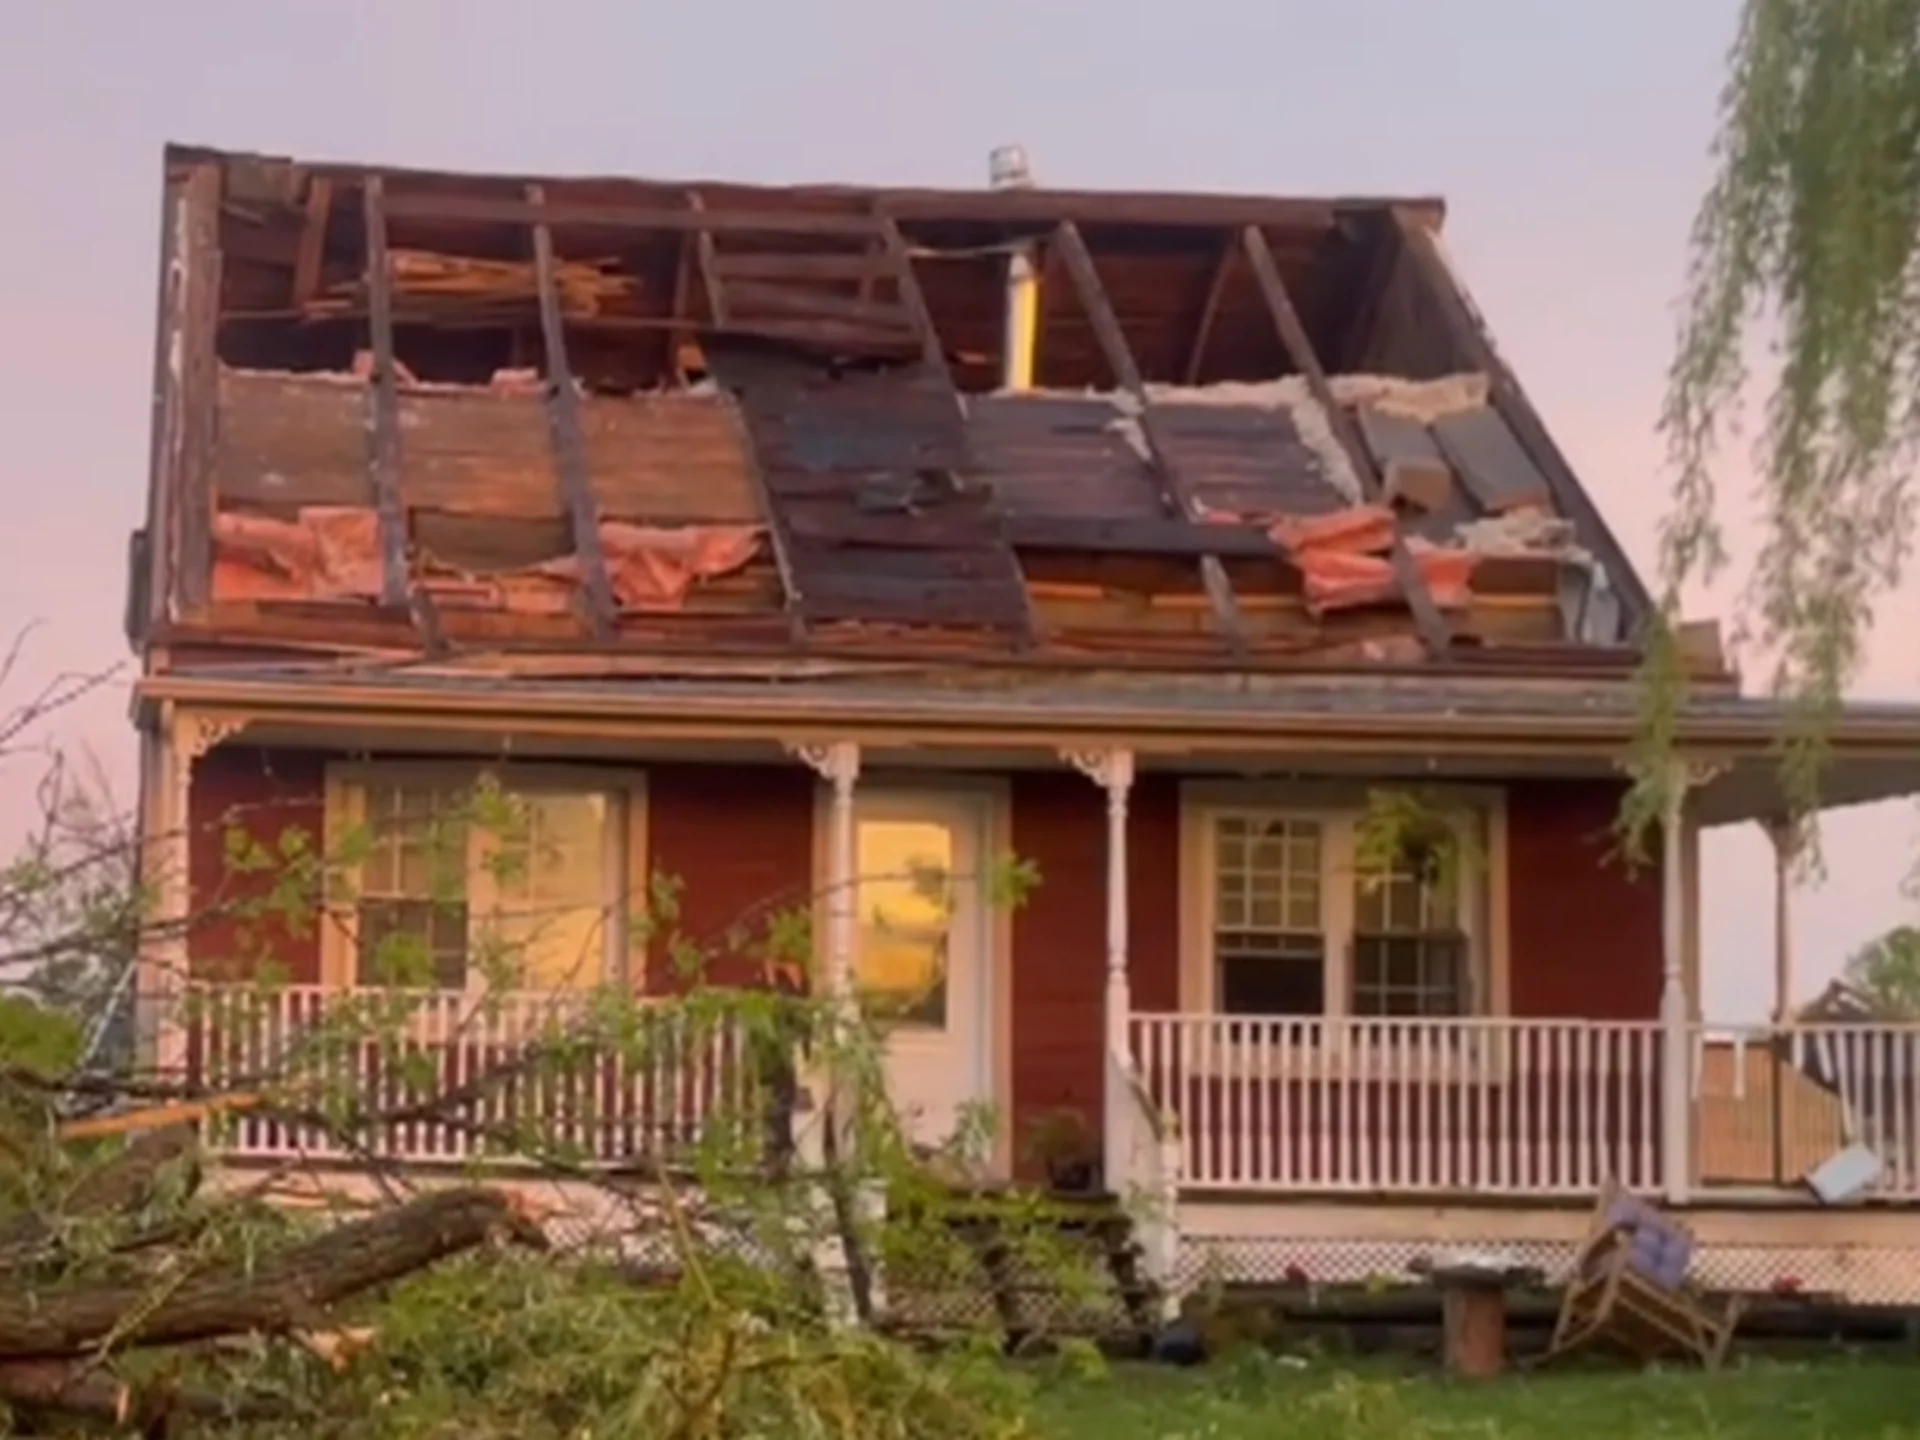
(1027, 1263)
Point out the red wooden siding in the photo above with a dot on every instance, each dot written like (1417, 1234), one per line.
(739, 842)
(1584, 932)
(239, 920)
(1060, 936)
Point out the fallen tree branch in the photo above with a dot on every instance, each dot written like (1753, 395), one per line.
(278, 1294)
(56, 1387)
(121, 1185)
(181, 1112)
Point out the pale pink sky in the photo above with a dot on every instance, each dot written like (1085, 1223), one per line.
(1569, 138)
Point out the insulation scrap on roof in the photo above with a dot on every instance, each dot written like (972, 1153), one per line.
(1522, 533)
(333, 553)
(1421, 401)
(652, 568)
(1343, 560)
(329, 552)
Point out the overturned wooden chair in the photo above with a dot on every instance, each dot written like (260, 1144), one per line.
(1628, 1289)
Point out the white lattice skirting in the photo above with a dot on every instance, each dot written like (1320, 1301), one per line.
(1860, 1274)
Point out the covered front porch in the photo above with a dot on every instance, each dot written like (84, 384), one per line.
(1392, 1064)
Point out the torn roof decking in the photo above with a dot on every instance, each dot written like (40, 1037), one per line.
(886, 503)
(859, 474)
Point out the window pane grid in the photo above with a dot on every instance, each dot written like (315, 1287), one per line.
(1269, 940)
(1399, 934)
(1410, 974)
(538, 890)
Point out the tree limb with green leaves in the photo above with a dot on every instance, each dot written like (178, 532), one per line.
(1805, 245)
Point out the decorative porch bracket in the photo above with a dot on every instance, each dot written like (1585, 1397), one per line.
(1112, 771)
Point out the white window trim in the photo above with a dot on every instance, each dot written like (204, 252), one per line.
(1337, 804)
(626, 837)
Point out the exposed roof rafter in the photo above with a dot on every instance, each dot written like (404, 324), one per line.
(383, 459)
(1426, 614)
(1174, 495)
(1209, 312)
(569, 445)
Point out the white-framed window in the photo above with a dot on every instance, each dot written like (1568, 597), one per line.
(1287, 915)
(466, 878)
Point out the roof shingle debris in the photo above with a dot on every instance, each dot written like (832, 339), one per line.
(768, 421)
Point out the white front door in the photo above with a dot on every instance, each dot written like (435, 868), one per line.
(920, 961)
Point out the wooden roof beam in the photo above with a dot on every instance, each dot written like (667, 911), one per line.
(914, 300)
(1209, 313)
(1174, 496)
(1433, 626)
(309, 260)
(933, 355)
(680, 288)
(193, 421)
(397, 589)
(478, 210)
(569, 441)
(383, 457)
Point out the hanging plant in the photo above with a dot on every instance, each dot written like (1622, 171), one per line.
(1408, 831)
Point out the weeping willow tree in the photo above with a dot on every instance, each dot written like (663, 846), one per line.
(1809, 237)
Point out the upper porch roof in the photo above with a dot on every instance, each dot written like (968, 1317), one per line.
(1421, 725)
(452, 412)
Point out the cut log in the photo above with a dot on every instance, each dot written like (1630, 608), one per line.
(54, 1387)
(276, 1294)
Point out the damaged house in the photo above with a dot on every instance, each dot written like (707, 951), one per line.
(777, 540)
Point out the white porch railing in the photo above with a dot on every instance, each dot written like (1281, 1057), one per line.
(1488, 1106)
(452, 1071)
(1523, 1107)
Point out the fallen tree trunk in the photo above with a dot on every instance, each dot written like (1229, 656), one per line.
(279, 1293)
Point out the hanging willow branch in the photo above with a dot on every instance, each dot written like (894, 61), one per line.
(1811, 227)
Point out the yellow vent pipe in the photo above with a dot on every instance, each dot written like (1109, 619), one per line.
(1009, 170)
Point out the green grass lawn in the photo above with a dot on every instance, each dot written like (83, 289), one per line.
(1828, 1400)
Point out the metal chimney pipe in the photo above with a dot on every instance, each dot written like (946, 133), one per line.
(1009, 169)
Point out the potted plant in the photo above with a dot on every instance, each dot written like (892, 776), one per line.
(1060, 1142)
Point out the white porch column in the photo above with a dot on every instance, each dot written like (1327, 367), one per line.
(166, 860)
(1785, 842)
(1676, 1069)
(839, 765)
(1112, 770)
